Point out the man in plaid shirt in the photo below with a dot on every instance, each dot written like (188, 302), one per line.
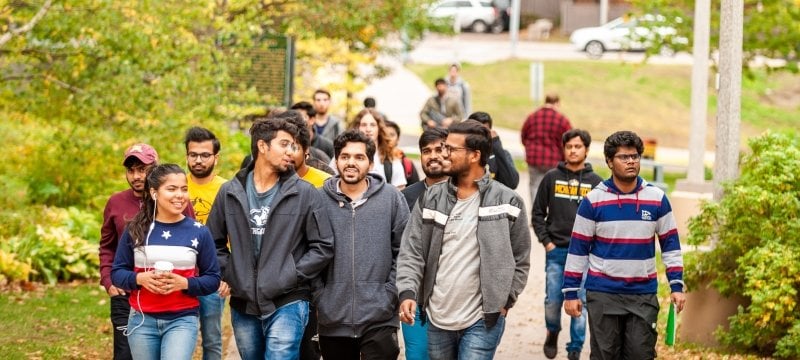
(541, 136)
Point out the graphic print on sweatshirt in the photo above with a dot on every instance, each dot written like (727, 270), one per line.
(571, 190)
(258, 220)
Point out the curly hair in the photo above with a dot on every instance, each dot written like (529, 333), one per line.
(385, 150)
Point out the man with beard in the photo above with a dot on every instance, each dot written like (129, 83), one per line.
(325, 124)
(308, 173)
(614, 239)
(432, 160)
(415, 337)
(120, 209)
(202, 154)
(560, 192)
(273, 238)
(465, 253)
(357, 306)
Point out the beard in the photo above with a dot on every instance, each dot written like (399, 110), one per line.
(456, 169)
(201, 173)
(433, 172)
(352, 179)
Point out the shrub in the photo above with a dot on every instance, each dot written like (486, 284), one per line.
(55, 250)
(758, 231)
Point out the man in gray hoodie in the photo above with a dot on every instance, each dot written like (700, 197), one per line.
(357, 304)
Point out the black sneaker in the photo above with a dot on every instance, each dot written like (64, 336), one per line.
(574, 355)
(551, 345)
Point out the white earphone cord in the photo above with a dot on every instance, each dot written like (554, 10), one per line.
(146, 242)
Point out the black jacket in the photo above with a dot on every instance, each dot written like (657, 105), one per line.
(296, 246)
(560, 193)
(501, 165)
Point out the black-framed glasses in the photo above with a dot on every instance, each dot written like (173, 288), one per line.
(201, 156)
(448, 149)
(628, 157)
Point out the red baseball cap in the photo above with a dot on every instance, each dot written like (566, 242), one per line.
(145, 153)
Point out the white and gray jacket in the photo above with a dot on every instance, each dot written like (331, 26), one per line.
(503, 236)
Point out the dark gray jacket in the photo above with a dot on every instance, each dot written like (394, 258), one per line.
(359, 291)
(503, 237)
(296, 246)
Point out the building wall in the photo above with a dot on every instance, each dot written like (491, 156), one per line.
(572, 14)
(575, 14)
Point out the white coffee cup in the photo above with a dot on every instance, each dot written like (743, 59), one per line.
(163, 267)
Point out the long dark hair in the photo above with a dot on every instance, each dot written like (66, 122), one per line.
(384, 149)
(140, 224)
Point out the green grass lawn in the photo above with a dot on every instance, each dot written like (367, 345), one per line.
(68, 321)
(603, 97)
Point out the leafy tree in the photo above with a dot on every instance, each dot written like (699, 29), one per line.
(94, 76)
(770, 26)
(80, 80)
(759, 230)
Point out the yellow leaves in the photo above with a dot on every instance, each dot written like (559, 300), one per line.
(12, 268)
(367, 34)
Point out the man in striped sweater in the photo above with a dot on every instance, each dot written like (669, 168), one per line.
(614, 239)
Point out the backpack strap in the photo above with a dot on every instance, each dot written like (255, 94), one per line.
(387, 170)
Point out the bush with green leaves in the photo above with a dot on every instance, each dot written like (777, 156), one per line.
(56, 250)
(757, 228)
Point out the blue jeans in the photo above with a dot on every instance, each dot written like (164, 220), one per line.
(156, 339)
(554, 300)
(415, 339)
(211, 307)
(276, 336)
(473, 343)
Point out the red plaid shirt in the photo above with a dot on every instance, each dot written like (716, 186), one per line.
(541, 135)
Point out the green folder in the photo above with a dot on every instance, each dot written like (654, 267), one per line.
(670, 338)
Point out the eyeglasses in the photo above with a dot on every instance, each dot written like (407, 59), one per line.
(288, 146)
(628, 157)
(447, 149)
(201, 156)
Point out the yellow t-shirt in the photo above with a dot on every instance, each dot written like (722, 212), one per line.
(315, 176)
(202, 196)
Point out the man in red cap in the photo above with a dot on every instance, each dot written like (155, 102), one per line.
(120, 208)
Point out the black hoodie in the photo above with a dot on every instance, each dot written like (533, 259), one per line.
(557, 200)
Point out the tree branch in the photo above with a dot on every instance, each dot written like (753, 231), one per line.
(62, 84)
(27, 27)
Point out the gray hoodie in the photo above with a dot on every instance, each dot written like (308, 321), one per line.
(359, 291)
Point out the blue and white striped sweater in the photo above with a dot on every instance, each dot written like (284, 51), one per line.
(614, 240)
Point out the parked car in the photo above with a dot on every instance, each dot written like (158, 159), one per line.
(627, 34)
(476, 15)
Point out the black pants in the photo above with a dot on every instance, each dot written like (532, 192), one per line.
(623, 326)
(120, 311)
(309, 348)
(376, 344)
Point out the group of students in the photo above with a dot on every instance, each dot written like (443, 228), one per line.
(266, 239)
(327, 260)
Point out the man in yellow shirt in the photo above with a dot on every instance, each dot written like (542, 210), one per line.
(202, 154)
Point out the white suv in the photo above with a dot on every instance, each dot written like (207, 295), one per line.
(476, 15)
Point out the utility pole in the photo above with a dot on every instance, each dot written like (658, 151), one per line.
(697, 133)
(603, 12)
(726, 164)
(513, 27)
